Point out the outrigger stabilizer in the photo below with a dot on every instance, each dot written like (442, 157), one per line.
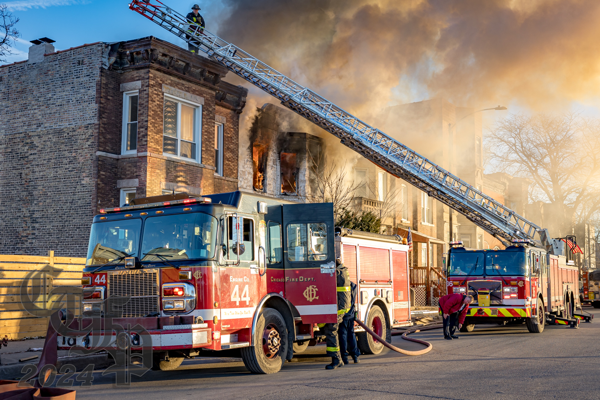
(571, 322)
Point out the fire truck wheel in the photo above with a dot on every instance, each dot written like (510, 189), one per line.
(267, 353)
(163, 365)
(596, 304)
(468, 328)
(300, 347)
(378, 324)
(541, 321)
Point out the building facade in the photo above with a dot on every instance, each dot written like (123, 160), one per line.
(97, 125)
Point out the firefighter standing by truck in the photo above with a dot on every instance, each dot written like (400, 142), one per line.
(343, 304)
(347, 336)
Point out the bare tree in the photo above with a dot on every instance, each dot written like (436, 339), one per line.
(8, 32)
(330, 184)
(560, 154)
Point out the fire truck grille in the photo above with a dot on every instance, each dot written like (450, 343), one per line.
(140, 286)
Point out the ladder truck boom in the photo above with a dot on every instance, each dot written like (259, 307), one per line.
(371, 143)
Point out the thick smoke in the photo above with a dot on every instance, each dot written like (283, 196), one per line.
(367, 54)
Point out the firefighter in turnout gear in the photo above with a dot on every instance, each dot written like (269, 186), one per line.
(347, 336)
(343, 305)
(196, 26)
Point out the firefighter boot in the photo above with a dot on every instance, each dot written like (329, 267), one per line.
(355, 358)
(335, 362)
(345, 360)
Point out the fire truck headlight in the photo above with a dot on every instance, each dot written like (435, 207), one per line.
(178, 297)
(87, 307)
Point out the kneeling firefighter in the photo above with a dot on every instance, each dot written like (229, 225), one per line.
(343, 305)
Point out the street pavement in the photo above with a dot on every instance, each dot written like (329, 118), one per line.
(490, 363)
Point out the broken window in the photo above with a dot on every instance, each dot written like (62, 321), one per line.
(259, 166)
(289, 173)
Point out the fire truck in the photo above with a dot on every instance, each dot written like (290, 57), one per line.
(522, 283)
(234, 271)
(591, 288)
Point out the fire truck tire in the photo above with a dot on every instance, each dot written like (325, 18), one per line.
(377, 322)
(268, 352)
(468, 328)
(596, 304)
(300, 347)
(164, 365)
(541, 321)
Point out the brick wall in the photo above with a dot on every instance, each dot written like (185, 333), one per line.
(61, 130)
(48, 139)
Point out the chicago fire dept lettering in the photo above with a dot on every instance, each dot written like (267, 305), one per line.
(290, 279)
(311, 293)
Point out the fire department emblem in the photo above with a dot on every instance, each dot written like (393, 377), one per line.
(197, 274)
(521, 283)
(311, 293)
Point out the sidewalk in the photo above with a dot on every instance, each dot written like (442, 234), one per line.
(30, 351)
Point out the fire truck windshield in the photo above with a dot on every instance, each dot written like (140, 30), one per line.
(112, 241)
(513, 263)
(466, 263)
(179, 237)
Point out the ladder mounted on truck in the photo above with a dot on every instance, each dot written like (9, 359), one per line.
(371, 143)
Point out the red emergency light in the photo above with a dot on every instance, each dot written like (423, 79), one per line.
(177, 291)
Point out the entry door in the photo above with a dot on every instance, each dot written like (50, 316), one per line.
(309, 261)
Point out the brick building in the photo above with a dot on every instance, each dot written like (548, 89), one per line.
(96, 125)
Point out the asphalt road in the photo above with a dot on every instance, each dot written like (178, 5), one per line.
(490, 363)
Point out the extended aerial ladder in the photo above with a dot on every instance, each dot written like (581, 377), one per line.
(371, 143)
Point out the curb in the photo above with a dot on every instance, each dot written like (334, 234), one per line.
(100, 361)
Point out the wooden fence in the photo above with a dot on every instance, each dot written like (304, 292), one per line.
(27, 291)
(431, 282)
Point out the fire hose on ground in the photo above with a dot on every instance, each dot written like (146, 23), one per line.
(405, 337)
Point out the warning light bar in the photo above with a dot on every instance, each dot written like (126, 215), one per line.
(456, 244)
(528, 241)
(193, 200)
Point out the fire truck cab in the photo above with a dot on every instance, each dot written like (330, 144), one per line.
(521, 283)
(229, 271)
(591, 288)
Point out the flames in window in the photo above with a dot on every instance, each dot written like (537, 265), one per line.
(289, 173)
(259, 165)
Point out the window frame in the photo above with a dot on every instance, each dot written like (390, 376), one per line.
(123, 195)
(219, 152)
(426, 209)
(382, 186)
(361, 184)
(197, 129)
(404, 196)
(305, 224)
(125, 123)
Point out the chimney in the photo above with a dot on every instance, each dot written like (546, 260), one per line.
(40, 47)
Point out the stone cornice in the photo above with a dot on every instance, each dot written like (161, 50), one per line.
(156, 54)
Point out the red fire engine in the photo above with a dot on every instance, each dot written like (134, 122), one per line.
(591, 288)
(234, 271)
(520, 283)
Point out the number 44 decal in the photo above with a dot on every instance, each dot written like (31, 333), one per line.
(235, 295)
(100, 279)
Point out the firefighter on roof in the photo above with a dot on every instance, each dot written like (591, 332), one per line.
(196, 25)
(343, 305)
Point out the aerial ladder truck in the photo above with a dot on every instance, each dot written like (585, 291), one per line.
(529, 281)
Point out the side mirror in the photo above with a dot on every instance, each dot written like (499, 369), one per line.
(222, 250)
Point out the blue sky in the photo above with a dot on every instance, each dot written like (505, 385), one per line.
(72, 23)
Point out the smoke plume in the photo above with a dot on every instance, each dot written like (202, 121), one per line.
(367, 54)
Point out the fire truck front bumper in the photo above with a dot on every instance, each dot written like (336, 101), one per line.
(498, 312)
(134, 337)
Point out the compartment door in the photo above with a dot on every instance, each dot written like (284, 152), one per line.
(401, 287)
